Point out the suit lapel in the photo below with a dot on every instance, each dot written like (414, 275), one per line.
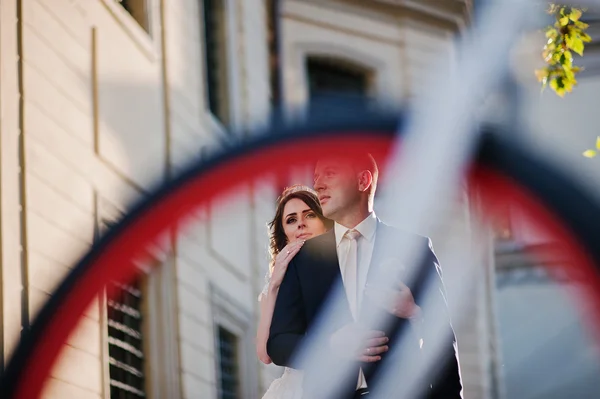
(378, 248)
(381, 249)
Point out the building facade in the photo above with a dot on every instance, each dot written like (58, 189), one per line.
(543, 343)
(102, 100)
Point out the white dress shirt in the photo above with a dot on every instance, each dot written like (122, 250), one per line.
(365, 244)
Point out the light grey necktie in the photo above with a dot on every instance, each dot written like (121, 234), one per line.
(351, 284)
(351, 271)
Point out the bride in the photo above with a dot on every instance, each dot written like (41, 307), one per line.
(298, 217)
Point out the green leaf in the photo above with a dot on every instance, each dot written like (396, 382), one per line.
(566, 60)
(565, 37)
(551, 33)
(577, 47)
(590, 153)
(569, 75)
(568, 84)
(556, 56)
(558, 85)
(548, 51)
(577, 69)
(585, 37)
(574, 43)
(575, 14)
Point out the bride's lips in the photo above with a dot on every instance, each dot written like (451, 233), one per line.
(304, 236)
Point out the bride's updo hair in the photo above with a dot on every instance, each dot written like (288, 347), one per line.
(277, 237)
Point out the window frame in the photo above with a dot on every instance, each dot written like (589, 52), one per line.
(232, 59)
(296, 91)
(233, 317)
(146, 40)
(160, 330)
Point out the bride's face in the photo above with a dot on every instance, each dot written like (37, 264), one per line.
(300, 222)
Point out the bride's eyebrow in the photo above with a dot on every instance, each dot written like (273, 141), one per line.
(294, 213)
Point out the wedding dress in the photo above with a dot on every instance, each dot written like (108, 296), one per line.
(289, 385)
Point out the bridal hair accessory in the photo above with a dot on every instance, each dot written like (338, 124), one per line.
(294, 189)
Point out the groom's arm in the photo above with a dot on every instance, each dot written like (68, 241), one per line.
(289, 323)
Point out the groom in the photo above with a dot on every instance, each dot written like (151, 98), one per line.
(352, 251)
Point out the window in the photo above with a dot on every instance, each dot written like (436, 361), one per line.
(235, 357)
(140, 355)
(273, 44)
(216, 62)
(229, 384)
(138, 10)
(334, 78)
(125, 311)
(125, 342)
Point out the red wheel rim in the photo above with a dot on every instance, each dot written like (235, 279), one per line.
(112, 258)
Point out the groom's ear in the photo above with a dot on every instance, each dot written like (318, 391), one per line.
(365, 179)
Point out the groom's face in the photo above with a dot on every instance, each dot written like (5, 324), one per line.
(336, 183)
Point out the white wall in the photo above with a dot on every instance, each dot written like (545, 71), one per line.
(62, 170)
(99, 125)
(215, 248)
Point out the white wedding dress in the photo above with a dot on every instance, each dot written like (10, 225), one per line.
(289, 385)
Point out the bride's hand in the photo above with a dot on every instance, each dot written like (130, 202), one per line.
(282, 261)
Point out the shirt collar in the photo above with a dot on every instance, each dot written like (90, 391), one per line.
(366, 228)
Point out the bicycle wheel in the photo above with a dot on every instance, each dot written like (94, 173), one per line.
(501, 170)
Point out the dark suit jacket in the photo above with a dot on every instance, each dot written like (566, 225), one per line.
(310, 279)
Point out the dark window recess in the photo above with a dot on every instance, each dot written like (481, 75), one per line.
(330, 78)
(335, 86)
(125, 342)
(137, 9)
(273, 44)
(228, 365)
(215, 47)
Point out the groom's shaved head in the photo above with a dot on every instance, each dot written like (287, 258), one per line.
(359, 161)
